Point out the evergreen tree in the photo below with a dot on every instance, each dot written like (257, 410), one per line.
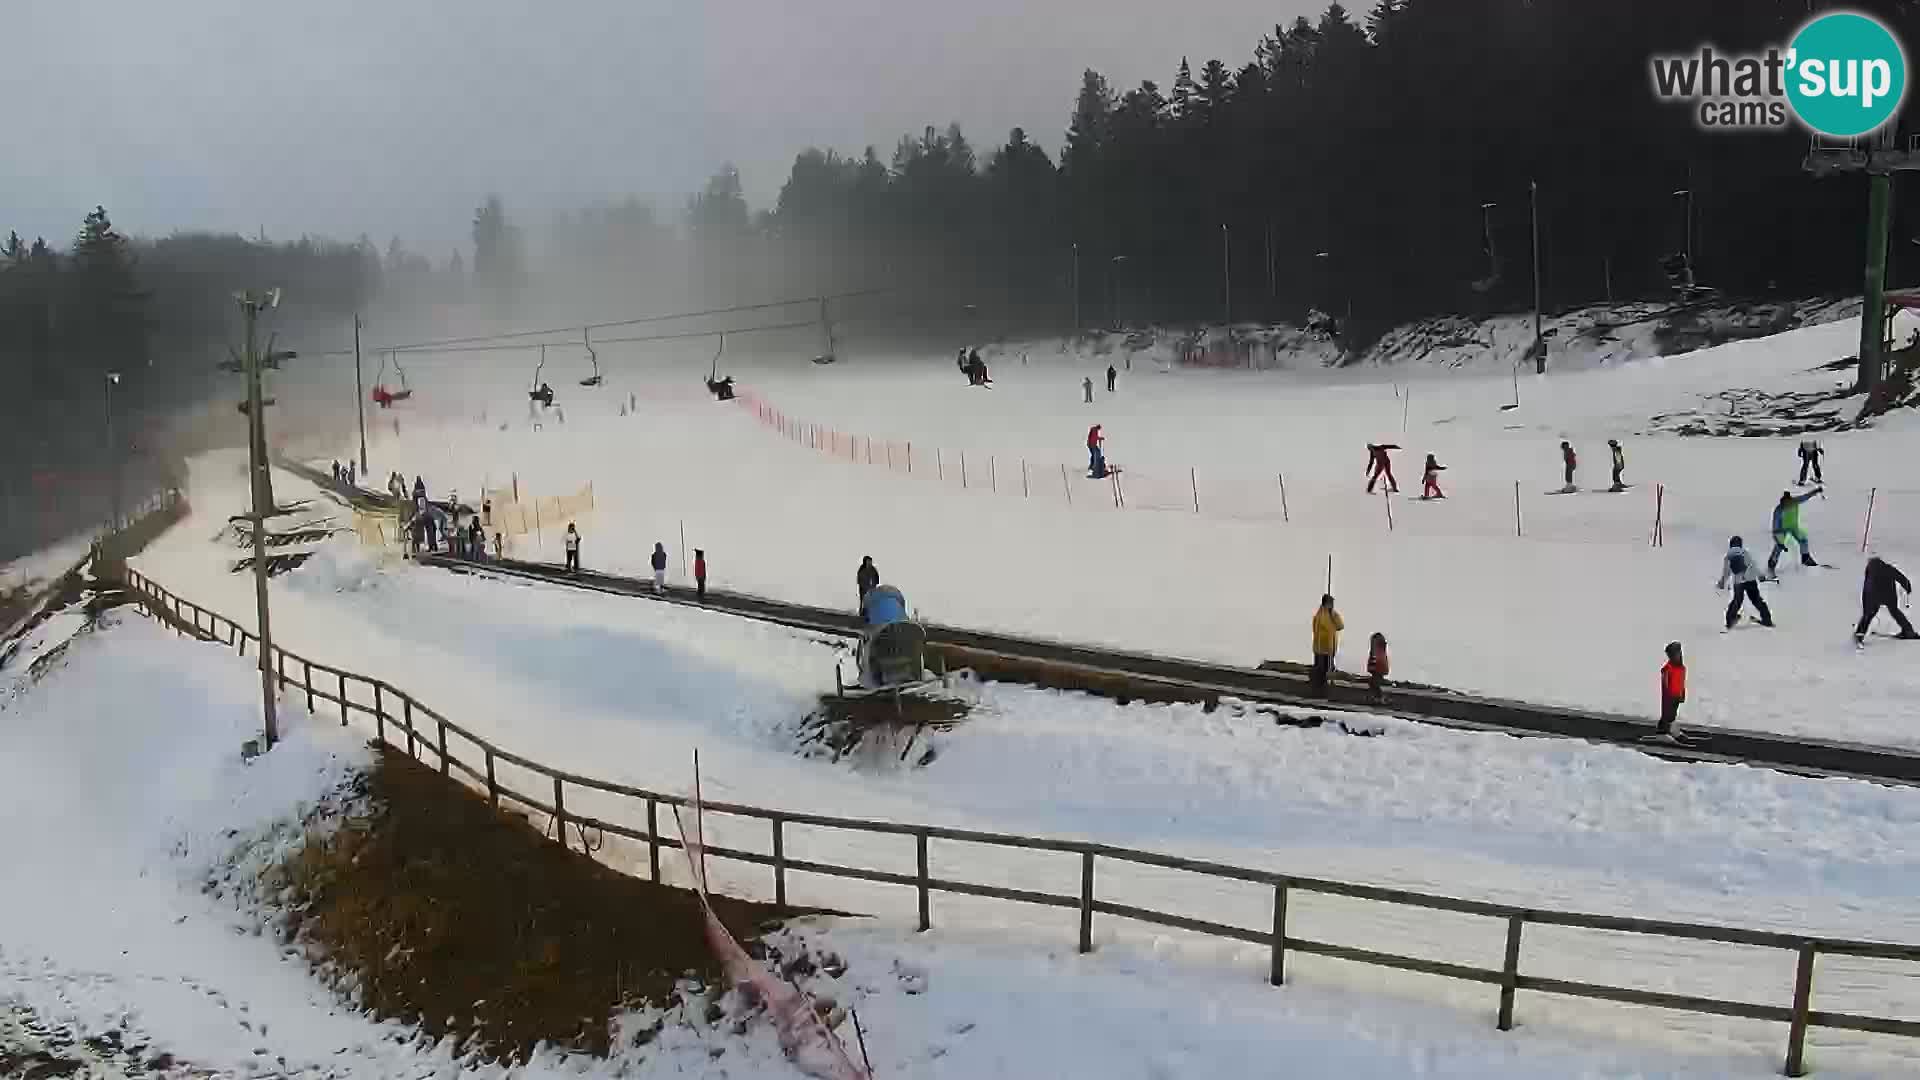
(106, 310)
(1180, 106)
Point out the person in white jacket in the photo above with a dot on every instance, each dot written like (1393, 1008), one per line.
(1738, 567)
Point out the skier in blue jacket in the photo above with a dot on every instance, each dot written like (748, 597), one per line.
(1786, 523)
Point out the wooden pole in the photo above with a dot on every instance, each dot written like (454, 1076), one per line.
(1284, 516)
(1193, 481)
(1065, 484)
(1516, 508)
(1086, 902)
(1386, 496)
(1025, 492)
(963, 470)
(1868, 529)
(1329, 588)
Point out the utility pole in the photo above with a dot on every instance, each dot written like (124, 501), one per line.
(251, 304)
(113, 451)
(1076, 289)
(1872, 313)
(359, 395)
(1539, 340)
(1272, 289)
(1226, 274)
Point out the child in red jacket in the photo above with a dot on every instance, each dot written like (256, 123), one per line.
(1377, 665)
(1673, 688)
(700, 574)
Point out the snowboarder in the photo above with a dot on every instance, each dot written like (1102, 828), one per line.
(1086, 388)
(1377, 663)
(1810, 455)
(1112, 376)
(1327, 625)
(1738, 568)
(1673, 690)
(1379, 464)
(659, 562)
(1786, 523)
(1430, 479)
(573, 549)
(1880, 589)
(1096, 454)
(867, 578)
(1619, 465)
(1570, 460)
(700, 574)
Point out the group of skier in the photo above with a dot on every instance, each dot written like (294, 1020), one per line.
(1086, 384)
(973, 368)
(657, 562)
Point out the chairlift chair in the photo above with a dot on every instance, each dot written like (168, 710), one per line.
(594, 357)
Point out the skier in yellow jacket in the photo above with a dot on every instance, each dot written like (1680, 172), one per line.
(1327, 625)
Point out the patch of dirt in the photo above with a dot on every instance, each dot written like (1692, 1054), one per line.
(32, 1049)
(883, 728)
(1749, 413)
(427, 905)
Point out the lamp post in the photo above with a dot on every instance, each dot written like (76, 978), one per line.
(113, 452)
(1686, 220)
(1076, 289)
(1226, 275)
(1113, 289)
(1539, 339)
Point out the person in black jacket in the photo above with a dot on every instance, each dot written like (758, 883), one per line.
(1880, 589)
(867, 578)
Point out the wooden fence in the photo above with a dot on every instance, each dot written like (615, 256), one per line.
(400, 721)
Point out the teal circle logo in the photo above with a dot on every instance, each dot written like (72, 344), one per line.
(1847, 74)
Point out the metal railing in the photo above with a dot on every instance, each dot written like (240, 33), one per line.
(402, 722)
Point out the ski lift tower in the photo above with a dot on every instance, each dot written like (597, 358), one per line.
(1879, 156)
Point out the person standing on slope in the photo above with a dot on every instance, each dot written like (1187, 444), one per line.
(573, 549)
(1619, 465)
(1810, 455)
(1738, 567)
(1786, 523)
(1881, 589)
(1111, 376)
(1327, 625)
(1379, 464)
(1430, 479)
(1569, 459)
(1086, 388)
(1673, 690)
(700, 575)
(867, 578)
(659, 563)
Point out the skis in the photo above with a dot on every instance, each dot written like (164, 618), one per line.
(1676, 738)
(1570, 489)
(1750, 619)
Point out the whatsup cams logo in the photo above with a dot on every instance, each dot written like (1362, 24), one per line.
(1842, 75)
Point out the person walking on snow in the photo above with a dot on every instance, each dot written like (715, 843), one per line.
(1810, 455)
(659, 561)
(1570, 460)
(1327, 625)
(867, 579)
(573, 549)
(1430, 479)
(1786, 523)
(1086, 387)
(1881, 589)
(1112, 375)
(1673, 690)
(1379, 464)
(1738, 568)
(1619, 465)
(700, 575)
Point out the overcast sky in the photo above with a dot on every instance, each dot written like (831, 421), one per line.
(398, 116)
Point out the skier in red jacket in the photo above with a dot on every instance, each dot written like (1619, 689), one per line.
(1430, 481)
(1673, 689)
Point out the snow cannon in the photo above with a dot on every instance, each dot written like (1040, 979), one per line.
(892, 650)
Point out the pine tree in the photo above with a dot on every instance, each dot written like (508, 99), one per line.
(1180, 105)
(107, 310)
(496, 252)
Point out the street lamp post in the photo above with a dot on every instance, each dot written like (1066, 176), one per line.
(113, 452)
(1539, 339)
(1076, 289)
(359, 396)
(1687, 224)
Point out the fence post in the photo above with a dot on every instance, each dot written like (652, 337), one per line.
(1277, 969)
(920, 851)
(406, 711)
(1510, 971)
(306, 674)
(1285, 517)
(1868, 529)
(379, 713)
(493, 786)
(280, 664)
(1516, 508)
(343, 699)
(560, 814)
(653, 839)
(1802, 999)
(443, 746)
(1086, 902)
(779, 866)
